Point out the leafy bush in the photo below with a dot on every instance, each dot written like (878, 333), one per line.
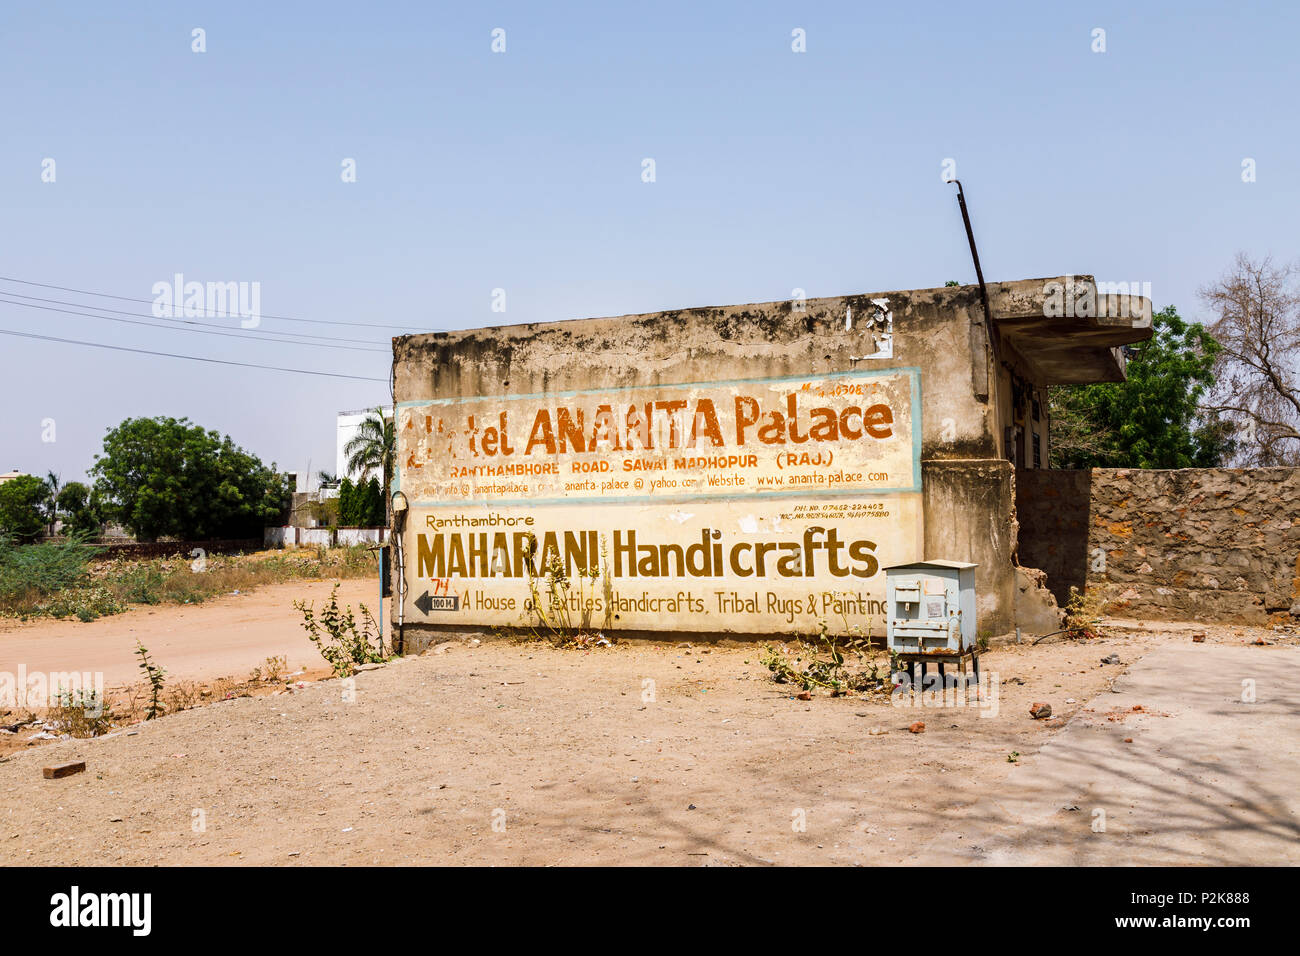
(823, 664)
(1082, 615)
(336, 635)
(554, 593)
(83, 603)
(141, 584)
(270, 670)
(80, 713)
(32, 572)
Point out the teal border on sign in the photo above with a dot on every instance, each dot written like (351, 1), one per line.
(911, 371)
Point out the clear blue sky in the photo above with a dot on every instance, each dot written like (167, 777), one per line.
(522, 171)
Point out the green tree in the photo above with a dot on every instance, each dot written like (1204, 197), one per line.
(22, 507)
(374, 509)
(374, 449)
(166, 477)
(347, 504)
(79, 509)
(1153, 418)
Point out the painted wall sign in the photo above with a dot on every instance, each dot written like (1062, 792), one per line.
(756, 506)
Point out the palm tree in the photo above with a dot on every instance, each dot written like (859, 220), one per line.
(374, 449)
(52, 487)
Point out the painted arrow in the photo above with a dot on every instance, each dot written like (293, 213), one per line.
(424, 603)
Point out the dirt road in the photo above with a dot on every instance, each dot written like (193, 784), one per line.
(522, 754)
(227, 636)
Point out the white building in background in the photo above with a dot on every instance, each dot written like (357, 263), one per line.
(297, 480)
(349, 423)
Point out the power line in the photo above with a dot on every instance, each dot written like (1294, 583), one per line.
(226, 333)
(186, 321)
(284, 318)
(192, 358)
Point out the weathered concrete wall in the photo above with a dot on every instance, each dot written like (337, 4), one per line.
(968, 517)
(300, 509)
(1214, 544)
(347, 537)
(290, 536)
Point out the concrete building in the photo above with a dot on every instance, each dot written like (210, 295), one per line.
(349, 423)
(736, 470)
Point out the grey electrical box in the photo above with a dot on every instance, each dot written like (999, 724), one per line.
(930, 607)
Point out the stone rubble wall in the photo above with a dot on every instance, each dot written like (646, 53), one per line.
(1198, 544)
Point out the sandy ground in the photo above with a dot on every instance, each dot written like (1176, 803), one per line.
(226, 636)
(522, 754)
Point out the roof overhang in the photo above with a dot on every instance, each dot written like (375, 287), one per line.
(1069, 330)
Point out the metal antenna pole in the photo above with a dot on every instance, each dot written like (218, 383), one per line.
(975, 255)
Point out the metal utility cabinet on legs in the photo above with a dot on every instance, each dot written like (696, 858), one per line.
(931, 617)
